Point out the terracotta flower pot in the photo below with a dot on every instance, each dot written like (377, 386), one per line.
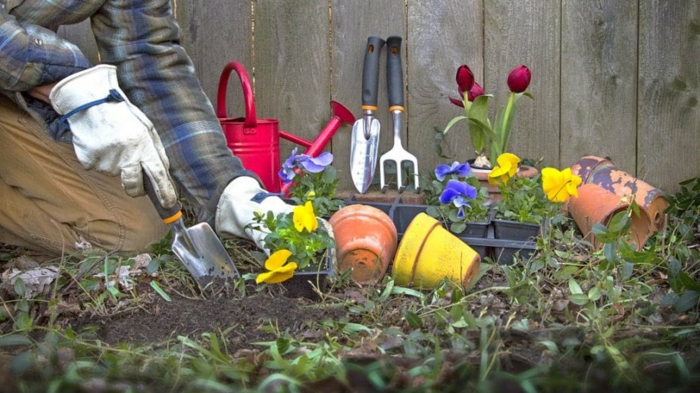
(596, 204)
(429, 253)
(604, 173)
(365, 240)
(494, 191)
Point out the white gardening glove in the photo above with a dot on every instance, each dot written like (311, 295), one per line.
(236, 210)
(110, 134)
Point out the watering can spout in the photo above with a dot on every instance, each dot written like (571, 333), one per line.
(341, 115)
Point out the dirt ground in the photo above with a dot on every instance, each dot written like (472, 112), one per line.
(152, 319)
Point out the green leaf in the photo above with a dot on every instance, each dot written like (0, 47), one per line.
(160, 291)
(574, 288)
(610, 251)
(627, 270)
(620, 222)
(579, 299)
(686, 301)
(689, 282)
(387, 291)
(20, 287)
(356, 327)
(458, 227)
(408, 292)
(14, 339)
(413, 320)
(457, 312)
(452, 123)
(674, 273)
(594, 294)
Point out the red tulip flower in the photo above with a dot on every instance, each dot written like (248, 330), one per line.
(489, 139)
(456, 102)
(519, 79)
(475, 91)
(465, 78)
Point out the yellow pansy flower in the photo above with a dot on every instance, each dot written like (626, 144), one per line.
(507, 167)
(559, 185)
(304, 217)
(279, 270)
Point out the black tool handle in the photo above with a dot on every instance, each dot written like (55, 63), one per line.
(168, 215)
(370, 71)
(394, 71)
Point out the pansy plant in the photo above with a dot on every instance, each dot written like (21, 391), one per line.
(455, 196)
(531, 199)
(295, 241)
(314, 180)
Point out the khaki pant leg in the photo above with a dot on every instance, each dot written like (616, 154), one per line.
(48, 202)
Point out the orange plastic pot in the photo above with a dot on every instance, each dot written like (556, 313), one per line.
(428, 253)
(595, 204)
(604, 173)
(366, 240)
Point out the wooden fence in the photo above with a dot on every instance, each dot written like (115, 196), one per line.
(610, 78)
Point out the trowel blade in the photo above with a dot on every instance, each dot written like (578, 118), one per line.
(363, 154)
(202, 253)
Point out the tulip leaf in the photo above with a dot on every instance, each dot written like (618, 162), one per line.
(480, 130)
(477, 134)
(504, 123)
(480, 108)
(452, 123)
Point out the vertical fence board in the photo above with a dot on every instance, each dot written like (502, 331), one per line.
(215, 32)
(669, 89)
(526, 32)
(352, 23)
(292, 66)
(442, 35)
(599, 81)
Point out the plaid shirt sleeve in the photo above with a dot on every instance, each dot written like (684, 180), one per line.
(141, 37)
(34, 56)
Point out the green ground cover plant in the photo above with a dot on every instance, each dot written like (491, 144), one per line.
(566, 319)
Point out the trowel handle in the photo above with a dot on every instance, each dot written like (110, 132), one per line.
(168, 215)
(394, 72)
(370, 73)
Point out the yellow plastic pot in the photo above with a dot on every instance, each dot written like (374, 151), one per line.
(429, 253)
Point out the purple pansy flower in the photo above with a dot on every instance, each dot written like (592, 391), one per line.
(442, 170)
(458, 193)
(305, 161)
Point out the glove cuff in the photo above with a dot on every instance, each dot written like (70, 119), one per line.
(92, 84)
(237, 207)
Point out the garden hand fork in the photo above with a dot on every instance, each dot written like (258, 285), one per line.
(395, 86)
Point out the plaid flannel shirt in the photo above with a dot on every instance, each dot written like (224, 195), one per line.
(141, 38)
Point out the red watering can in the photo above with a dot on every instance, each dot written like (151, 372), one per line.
(256, 141)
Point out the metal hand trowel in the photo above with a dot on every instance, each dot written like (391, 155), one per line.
(197, 247)
(365, 131)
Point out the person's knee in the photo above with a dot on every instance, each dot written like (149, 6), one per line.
(143, 236)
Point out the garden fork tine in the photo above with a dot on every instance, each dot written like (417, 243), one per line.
(395, 86)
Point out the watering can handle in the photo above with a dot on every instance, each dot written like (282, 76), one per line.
(248, 97)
